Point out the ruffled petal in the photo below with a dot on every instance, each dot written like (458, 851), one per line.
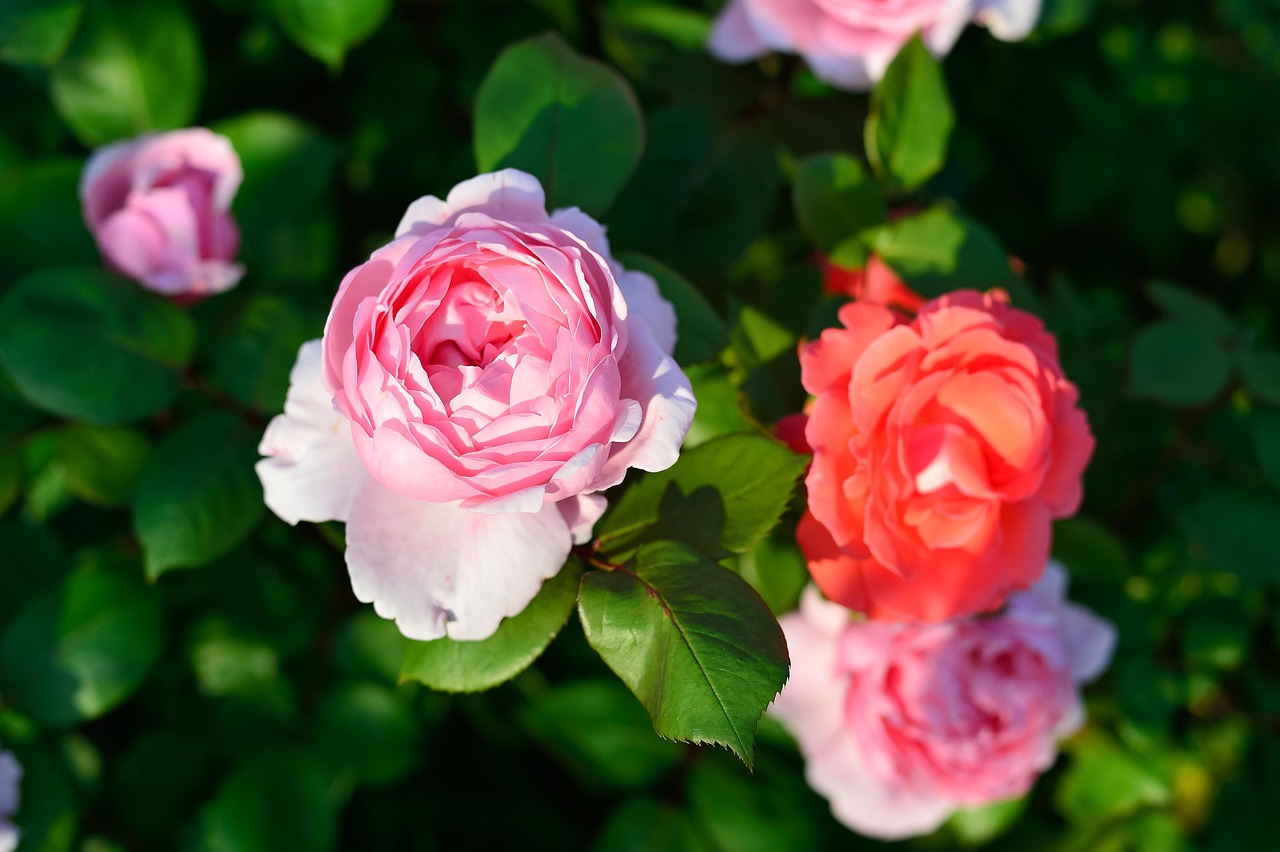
(510, 195)
(438, 569)
(312, 471)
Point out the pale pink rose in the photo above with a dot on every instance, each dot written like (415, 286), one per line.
(900, 725)
(481, 379)
(850, 43)
(159, 208)
(10, 780)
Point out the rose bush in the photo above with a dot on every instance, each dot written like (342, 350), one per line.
(902, 724)
(482, 378)
(944, 447)
(850, 43)
(159, 208)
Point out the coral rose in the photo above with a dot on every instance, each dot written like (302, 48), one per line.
(876, 283)
(159, 208)
(850, 43)
(481, 378)
(943, 448)
(902, 724)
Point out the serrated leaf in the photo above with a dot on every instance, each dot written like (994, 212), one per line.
(570, 121)
(700, 332)
(911, 117)
(836, 203)
(691, 640)
(454, 666)
(91, 346)
(81, 648)
(134, 66)
(721, 497)
(1179, 363)
(198, 495)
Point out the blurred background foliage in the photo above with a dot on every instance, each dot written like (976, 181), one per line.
(227, 692)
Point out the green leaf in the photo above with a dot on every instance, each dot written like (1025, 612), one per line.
(978, 826)
(719, 405)
(722, 497)
(691, 640)
(40, 219)
(937, 251)
(369, 647)
(911, 118)
(1216, 632)
(198, 495)
(369, 728)
(599, 731)
(836, 204)
(133, 67)
(776, 570)
(1104, 782)
(1091, 551)
(1182, 303)
(454, 666)
(37, 32)
(1266, 443)
(700, 332)
(327, 29)
(1179, 363)
(101, 464)
(645, 825)
(572, 122)
(48, 803)
(1234, 531)
(91, 346)
(230, 663)
(1260, 369)
(253, 363)
(273, 801)
(285, 205)
(81, 648)
(765, 810)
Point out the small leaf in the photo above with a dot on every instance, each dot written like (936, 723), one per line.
(1266, 443)
(722, 497)
(454, 666)
(937, 251)
(371, 729)
(596, 728)
(1182, 303)
(327, 29)
(82, 648)
(911, 117)
(41, 223)
(835, 203)
(691, 640)
(37, 32)
(273, 801)
(1104, 781)
(198, 495)
(1260, 370)
(91, 346)
(977, 826)
(765, 810)
(101, 463)
(1179, 363)
(700, 332)
(572, 122)
(253, 362)
(133, 67)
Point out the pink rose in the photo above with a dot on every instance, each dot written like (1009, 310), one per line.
(159, 209)
(943, 448)
(481, 378)
(10, 780)
(902, 724)
(850, 43)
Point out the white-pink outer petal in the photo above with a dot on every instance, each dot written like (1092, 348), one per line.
(311, 471)
(438, 570)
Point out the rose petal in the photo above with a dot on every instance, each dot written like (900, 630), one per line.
(510, 195)
(312, 472)
(438, 569)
